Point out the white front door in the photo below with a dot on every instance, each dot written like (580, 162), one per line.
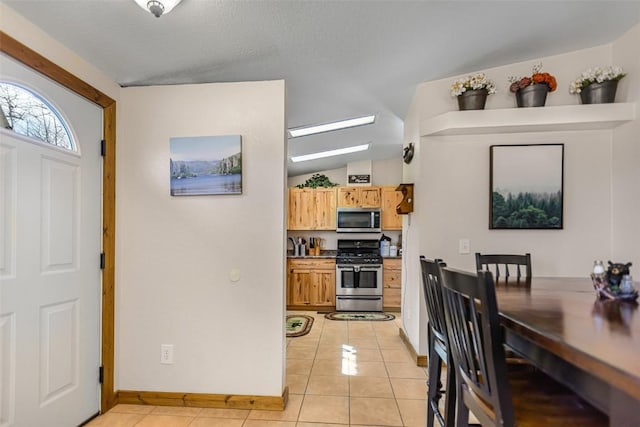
(50, 278)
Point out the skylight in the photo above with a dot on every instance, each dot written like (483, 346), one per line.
(328, 127)
(330, 153)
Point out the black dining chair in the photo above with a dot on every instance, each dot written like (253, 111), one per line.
(496, 396)
(437, 347)
(504, 266)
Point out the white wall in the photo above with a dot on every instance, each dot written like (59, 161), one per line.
(338, 176)
(456, 172)
(626, 159)
(452, 184)
(386, 172)
(412, 307)
(175, 254)
(383, 172)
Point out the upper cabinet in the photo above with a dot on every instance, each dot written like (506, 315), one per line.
(312, 209)
(390, 199)
(315, 208)
(359, 197)
(325, 215)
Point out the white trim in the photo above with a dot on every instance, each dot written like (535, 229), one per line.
(36, 141)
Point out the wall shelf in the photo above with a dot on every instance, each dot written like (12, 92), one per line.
(537, 119)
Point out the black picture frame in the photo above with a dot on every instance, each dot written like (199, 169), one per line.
(526, 187)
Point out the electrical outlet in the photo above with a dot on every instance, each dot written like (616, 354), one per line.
(166, 354)
(464, 247)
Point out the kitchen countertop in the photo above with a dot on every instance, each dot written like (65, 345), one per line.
(327, 254)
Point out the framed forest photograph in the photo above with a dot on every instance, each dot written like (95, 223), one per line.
(526, 186)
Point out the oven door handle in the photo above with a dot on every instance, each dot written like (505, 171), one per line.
(361, 298)
(358, 266)
(370, 268)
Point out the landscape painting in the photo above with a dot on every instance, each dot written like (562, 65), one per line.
(206, 165)
(526, 186)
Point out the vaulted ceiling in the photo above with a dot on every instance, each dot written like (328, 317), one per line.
(340, 59)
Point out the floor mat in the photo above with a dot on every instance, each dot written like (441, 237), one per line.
(298, 325)
(358, 316)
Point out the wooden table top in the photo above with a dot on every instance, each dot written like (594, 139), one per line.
(564, 316)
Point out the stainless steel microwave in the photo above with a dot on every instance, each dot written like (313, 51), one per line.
(358, 220)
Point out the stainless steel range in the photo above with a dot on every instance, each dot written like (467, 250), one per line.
(358, 276)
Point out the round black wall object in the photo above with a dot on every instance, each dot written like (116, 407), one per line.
(407, 156)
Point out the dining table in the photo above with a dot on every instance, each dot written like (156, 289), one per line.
(589, 344)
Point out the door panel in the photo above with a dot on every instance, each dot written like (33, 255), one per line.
(50, 280)
(7, 368)
(300, 281)
(59, 348)
(324, 288)
(370, 197)
(325, 209)
(8, 191)
(60, 187)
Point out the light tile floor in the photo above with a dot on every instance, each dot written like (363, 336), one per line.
(355, 373)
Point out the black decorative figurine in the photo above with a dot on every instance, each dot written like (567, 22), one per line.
(615, 271)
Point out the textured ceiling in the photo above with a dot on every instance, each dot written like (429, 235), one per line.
(340, 59)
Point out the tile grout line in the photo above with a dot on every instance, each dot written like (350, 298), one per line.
(393, 391)
(349, 382)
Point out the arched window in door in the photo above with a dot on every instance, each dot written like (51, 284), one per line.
(29, 114)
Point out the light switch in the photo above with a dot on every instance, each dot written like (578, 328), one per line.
(464, 246)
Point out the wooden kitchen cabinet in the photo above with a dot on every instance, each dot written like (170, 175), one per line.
(311, 209)
(392, 283)
(359, 197)
(301, 209)
(311, 283)
(323, 287)
(298, 285)
(390, 199)
(325, 214)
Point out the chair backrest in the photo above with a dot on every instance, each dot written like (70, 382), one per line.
(476, 343)
(499, 265)
(433, 297)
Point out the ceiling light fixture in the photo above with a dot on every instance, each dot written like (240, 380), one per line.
(330, 153)
(327, 127)
(156, 7)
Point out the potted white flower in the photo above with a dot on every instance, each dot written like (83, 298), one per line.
(597, 85)
(472, 91)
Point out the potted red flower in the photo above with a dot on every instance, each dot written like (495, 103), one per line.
(531, 91)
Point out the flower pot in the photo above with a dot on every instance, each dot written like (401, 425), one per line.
(599, 93)
(532, 95)
(473, 99)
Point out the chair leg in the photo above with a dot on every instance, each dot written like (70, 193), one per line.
(462, 412)
(434, 384)
(450, 397)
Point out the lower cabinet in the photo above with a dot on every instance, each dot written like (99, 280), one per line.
(392, 283)
(311, 283)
